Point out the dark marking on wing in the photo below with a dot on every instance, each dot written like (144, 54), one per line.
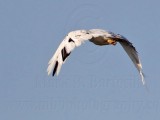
(64, 54)
(70, 40)
(55, 68)
(127, 43)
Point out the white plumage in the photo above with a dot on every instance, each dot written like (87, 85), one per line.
(98, 37)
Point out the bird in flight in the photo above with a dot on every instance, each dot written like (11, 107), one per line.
(98, 37)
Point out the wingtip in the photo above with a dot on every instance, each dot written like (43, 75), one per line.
(48, 71)
(142, 78)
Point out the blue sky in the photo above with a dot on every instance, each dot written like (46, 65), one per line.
(95, 83)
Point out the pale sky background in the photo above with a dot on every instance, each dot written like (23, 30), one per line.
(95, 83)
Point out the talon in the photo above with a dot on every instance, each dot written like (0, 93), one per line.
(112, 42)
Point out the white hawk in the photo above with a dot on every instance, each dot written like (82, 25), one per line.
(97, 36)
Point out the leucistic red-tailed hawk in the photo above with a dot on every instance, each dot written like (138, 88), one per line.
(98, 37)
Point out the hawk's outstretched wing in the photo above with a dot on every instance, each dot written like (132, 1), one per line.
(72, 40)
(132, 53)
